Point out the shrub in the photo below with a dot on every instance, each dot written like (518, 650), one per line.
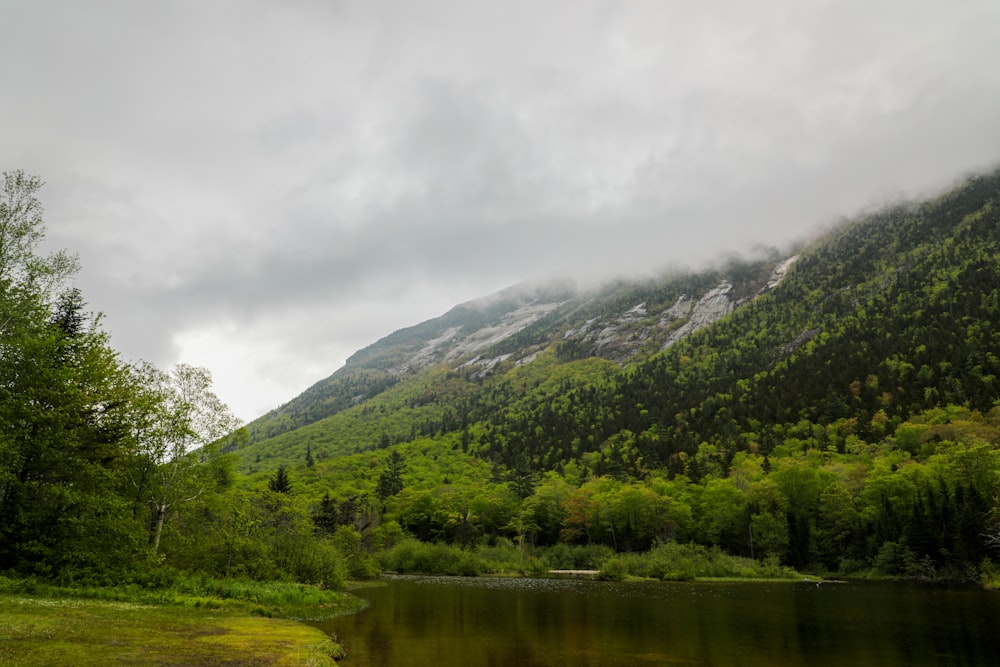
(682, 562)
(576, 557)
(614, 569)
(501, 555)
(895, 559)
(412, 556)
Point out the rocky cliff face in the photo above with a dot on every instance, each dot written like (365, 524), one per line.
(618, 332)
(462, 345)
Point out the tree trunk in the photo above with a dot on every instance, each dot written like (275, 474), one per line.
(159, 515)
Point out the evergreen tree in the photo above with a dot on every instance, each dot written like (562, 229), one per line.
(66, 402)
(280, 483)
(325, 517)
(390, 482)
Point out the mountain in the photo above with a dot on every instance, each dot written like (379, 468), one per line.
(835, 406)
(893, 312)
(621, 322)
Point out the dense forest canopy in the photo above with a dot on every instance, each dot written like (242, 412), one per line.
(845, 418)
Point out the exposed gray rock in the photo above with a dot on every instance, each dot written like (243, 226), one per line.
(711, 307)
(478, 344)
(799, 341)
(431, 352)
(779, 273)
(511, 324)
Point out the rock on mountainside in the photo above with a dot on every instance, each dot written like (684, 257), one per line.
(459, 343)
(618, 333)
(714, 305)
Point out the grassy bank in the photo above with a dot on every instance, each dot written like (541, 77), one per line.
(411, 556)
(197, 622)
(686, 562)
(667, 561)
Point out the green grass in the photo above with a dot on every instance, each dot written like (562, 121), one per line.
(197, 621)
(270, 598)
(67, 631)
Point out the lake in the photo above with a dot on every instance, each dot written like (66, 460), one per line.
(486, 621)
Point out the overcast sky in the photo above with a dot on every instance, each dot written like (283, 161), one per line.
(264, 187)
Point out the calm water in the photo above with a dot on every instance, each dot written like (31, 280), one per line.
(423, 621)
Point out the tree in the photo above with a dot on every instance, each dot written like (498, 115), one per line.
(280, 483)
(327, 517)
(419, 512)
(641, 515)
(722, 513)
(65, 404)
(390, 482)
(769, 533)
(179, 435)
(23, 273)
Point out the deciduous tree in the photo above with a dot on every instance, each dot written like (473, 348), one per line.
(181, 454)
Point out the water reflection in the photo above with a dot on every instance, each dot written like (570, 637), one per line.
(418, 621)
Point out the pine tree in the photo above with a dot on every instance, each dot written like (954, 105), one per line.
(390, 482)
(280, 482)
(65, 405)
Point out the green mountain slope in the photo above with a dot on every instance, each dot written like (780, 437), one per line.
(893, 314)
(890, 315)
(432, 377)
(818, 408)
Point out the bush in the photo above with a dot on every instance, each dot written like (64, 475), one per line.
(501, 555)
(895, 559)
(989, 575)
(411, 556)
(360, 565)
(614, 569)
(683, 562)
(576, 557)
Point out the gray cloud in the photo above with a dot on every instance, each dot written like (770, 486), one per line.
(266, 187)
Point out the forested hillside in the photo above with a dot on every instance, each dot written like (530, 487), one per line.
(840, 416)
